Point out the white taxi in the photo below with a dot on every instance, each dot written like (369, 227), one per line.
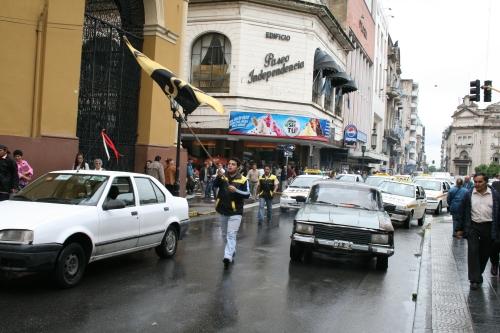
(67, 219)
(299, 187)
(404, 201)
(437, 193)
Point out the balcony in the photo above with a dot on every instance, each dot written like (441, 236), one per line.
(393, 92)
(411, 162)
(463, 145)
(413, 116)
(413, 139)
(412, 150)
(495, 146)
(413, 105)
(413, 128)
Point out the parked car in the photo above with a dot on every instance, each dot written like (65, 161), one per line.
(67, 219)
(343, 218)
(300, 186)
(350, 177)
(404, 201)
(437, 193)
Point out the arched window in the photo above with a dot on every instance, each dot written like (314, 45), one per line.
(464, 155)
(210, 63)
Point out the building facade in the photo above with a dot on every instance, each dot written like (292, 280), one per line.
(279, 68)
(472, 139)
(67, 75)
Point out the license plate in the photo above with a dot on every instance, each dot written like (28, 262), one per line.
(340, 244)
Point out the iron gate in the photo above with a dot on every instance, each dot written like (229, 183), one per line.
(109, 91)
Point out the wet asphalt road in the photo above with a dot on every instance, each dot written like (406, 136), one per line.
(262, 292)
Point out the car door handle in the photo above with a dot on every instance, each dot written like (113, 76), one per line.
(133, 213)
(166, 209)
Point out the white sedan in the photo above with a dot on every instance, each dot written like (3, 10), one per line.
(67, 219)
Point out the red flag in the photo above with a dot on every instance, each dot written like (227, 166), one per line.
(107, 142)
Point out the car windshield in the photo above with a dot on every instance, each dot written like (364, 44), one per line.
(61, 188)
(405, 190)
(303, 182)
(429, 184)
(375, 181)
(351, 197)
(347, 178)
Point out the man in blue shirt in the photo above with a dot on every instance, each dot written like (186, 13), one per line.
(455, 202)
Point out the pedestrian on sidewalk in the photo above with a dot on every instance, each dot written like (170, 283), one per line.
(455, 202)
(190, 177)
(253, 178)
(207, 175)
(468, 183)
(9, 179)
(156, 170)
(170, 171)
(233, 188)
(98, 165)
(268, 185)
(80, 163)
(481, 226)
(495, 246)
(24, 170)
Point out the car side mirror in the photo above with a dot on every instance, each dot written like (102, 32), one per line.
(300, 199)
(113, 204)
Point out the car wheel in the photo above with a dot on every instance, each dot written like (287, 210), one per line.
(168, 245)
(382, 263)
(407, 222)
(283, 209)
(421, 220)
(438, 209)
(70, 266)
(296, 252)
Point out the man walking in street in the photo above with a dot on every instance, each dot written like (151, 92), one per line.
(170, 171)
(481, 226)
(9, 179)
(268, 185)
(233, 189)
(455, 202)
(156, 170)
(253, 177)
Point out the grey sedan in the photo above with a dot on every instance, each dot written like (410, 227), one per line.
(343, 218)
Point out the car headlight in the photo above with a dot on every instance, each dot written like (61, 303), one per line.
(380, 239)
(303, 228)
(384, 223)
(284, 196)
(16, 236)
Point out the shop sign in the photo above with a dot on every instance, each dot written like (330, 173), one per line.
(362, 136)
(273, 35)
(279, 125)
(350, 135)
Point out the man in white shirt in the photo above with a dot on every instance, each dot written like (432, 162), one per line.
(481, 226)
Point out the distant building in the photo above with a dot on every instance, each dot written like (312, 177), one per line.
(472, 139)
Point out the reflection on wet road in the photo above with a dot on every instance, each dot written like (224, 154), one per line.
(261, 292)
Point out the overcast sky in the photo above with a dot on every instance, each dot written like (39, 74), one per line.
(444, 45)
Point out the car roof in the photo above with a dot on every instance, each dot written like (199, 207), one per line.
(101, 173)
(310, 176)
(340, 183)
(400, 182)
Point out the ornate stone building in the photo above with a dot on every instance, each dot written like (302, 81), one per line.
(473, 138)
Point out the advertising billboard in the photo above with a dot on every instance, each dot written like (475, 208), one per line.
(279, 125)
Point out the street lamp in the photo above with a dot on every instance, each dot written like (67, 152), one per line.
(363, 150)
(374, 139)
(174, 106)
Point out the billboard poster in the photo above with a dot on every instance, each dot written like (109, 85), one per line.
(279, 125)
(350, 135)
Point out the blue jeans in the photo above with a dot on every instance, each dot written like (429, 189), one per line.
(457, 218)
(269, 205)
(229, 227)
(208, 188)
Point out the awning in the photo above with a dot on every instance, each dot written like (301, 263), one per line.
(349, 87)
(323, 61)
(339, 78)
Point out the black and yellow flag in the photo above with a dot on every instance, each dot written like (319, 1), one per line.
(188, 96)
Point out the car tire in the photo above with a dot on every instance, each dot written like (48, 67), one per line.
(283, 209)
(407, 222)
(296, 252)
(382, 263)
(421, 220)
(168, 245)
(438, 209)
(70, 266)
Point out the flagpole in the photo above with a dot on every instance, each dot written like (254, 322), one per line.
(174, 106)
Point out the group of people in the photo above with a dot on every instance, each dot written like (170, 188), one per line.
(80, 163)
(164, 174)
(475, 212)
(15, 173)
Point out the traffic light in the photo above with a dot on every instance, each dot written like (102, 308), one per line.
(487, 90)
(475, 91)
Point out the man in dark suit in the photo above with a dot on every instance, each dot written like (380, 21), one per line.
(495, 246)
(481, 224)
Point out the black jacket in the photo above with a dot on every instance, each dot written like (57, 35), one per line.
(211, 171)
(231, 203)
(9, 178)
(467, 213)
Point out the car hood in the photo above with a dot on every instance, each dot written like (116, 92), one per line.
(433, 194)
(395, 199)
(339, 215)
(28, 215)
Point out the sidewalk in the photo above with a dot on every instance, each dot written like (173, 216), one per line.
(445, 302)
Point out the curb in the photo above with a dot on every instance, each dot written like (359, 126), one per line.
(422, 320)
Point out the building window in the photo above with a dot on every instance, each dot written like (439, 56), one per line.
(210, 63)
(318, 82)
(464, 155)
